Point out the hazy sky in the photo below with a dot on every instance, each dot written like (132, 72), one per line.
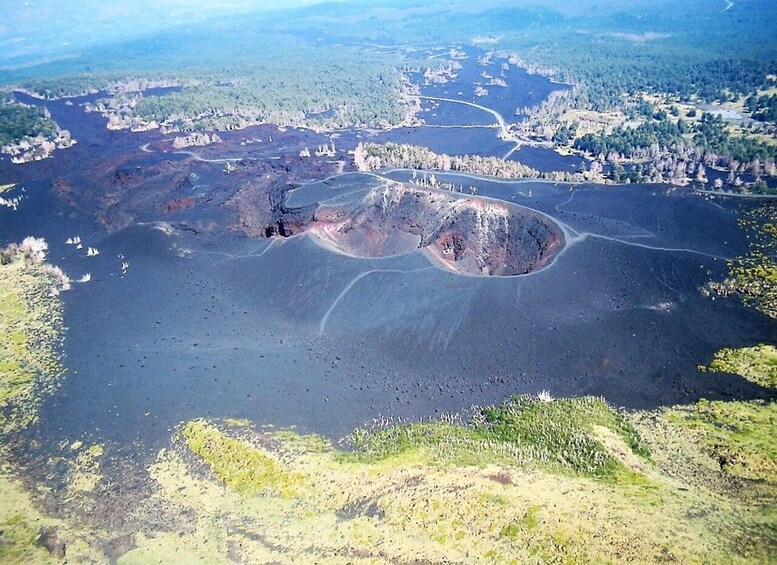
(39, 27)
(34, 30)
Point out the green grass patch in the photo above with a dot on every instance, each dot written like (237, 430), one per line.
(309, 443)
(238, 463)
(757, 364)
(525, 524)
(20, 522)
(406, 493)
(561, 433)
(754, 277)
(740, 436)
(30, 332)
(558, 435)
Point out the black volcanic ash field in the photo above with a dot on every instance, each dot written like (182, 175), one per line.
(287, 332)
(209, 317)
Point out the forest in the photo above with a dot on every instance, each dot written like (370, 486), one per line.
(709, 135)
(762, 108)
(18, 122)
(362, 93)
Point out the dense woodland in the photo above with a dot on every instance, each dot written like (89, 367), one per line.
(364, 91)
(611, 70)
(762, 108)
(361, 93)
(18, 122)
(708, 135)
(694, 50)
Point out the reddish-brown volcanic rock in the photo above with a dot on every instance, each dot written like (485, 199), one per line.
(467, 234)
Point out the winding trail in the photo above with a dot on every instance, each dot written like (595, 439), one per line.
(350, 285)
(655, 247)
(558, 207)
(513, 150)
(204, 160)
(442, 126)
(504, 132)
(145, 149)
(250, 255)
(499, 119)
(734, 194)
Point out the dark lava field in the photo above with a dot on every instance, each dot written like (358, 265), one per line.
(297, 292)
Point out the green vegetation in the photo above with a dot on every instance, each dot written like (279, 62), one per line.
(738, 435)
(238, 464)
(18, 122)
(373, 156)
(757, 364)
(754, 277)
(20, 525)
(361, 93)
(762, 108)
(30, 330)
(29, 535)
(635, 142)
(648, 48)
(708, 135)
(441, 492)
(559, 435)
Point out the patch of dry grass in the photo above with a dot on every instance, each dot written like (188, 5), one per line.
(412, 505)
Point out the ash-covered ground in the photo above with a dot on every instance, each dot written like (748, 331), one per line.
(242, 280)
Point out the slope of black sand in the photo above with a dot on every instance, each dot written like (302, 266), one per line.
(288, 333)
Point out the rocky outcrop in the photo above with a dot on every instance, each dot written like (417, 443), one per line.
(196, 140)
(39, 147)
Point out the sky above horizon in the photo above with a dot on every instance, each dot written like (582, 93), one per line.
(34, 31)
(37, 27)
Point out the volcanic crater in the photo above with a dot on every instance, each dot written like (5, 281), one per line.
(468, 235)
